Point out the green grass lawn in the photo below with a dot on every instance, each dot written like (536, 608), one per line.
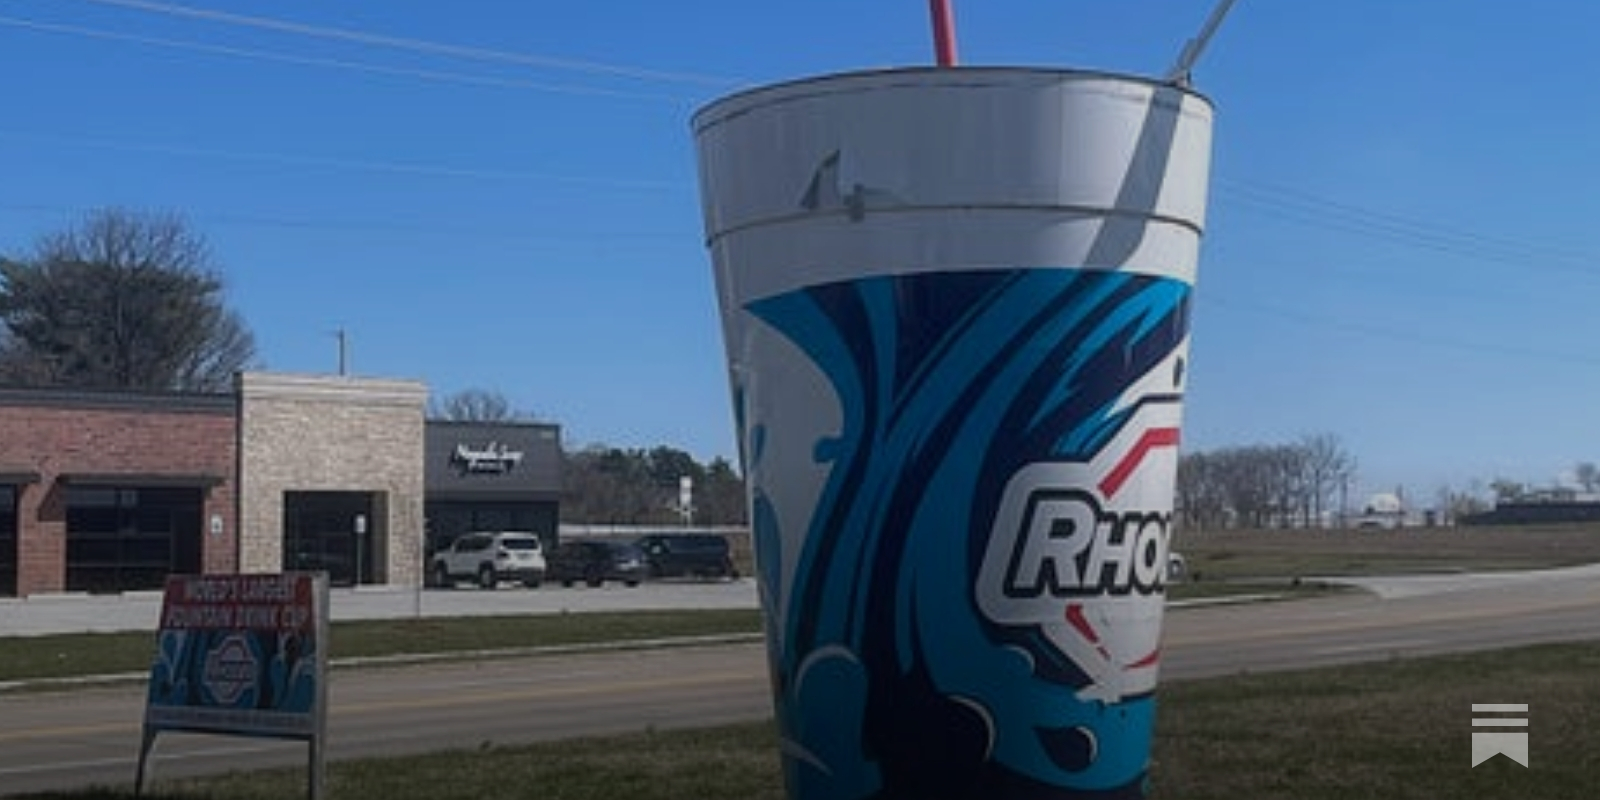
(1387, 731)
(1398, 730)
(1233, 555)
(113, 653)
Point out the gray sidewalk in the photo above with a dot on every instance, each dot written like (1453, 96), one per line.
(139, 611)
(1395, 587)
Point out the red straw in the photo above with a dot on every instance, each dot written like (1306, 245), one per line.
(944, 32)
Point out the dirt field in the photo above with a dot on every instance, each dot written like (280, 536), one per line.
(1231, 555)
(1285, 554)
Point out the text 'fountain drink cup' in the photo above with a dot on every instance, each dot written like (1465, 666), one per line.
(956, 309)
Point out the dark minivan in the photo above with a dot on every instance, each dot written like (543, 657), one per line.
(595, 562)
(693, 555)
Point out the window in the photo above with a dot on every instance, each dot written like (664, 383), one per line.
(8, 541)
(128, 538)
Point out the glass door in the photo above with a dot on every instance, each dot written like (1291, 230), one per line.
(330, 532)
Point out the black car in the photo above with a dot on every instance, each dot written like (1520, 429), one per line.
(694, 555)
(594, 563)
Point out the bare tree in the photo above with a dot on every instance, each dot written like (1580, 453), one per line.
(1327, 467)
(476, 405)
(640, 487)
(1260, 486)
(722, 501)
(1456, 504)
(214, 360)
(1201, 500)
(1507, 490)
(1244, 476)
(1588, 475)
(123, 300)
(1284, 470)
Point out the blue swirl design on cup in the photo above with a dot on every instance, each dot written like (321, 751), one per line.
(890, 683)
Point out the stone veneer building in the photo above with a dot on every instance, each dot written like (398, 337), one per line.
(336, 465)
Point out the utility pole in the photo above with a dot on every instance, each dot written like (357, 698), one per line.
(343, 351)
(1344, 500)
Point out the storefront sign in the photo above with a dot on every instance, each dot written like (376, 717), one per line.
(494, 457)
(244, 655)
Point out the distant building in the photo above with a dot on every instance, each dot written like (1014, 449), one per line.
(1383, 510)
(1535, 512)
(111, 491)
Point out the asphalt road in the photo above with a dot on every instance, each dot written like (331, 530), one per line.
(66, 740)
(1394, 617)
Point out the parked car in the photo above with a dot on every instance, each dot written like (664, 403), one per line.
(695, 555)
(595, 562)
(490, 558)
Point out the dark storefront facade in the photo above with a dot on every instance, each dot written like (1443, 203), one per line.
(491, 476)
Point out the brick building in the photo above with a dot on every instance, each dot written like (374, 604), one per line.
(109, 491)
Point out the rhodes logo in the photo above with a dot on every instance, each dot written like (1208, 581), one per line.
(1079, 552)
(231, 670)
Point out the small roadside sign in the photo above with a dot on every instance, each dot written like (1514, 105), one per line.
(242, 655)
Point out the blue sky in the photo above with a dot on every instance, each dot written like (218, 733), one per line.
(1402, 248)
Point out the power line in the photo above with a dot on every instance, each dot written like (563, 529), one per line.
(1305, 209)
(418, 45)
(1315, 211)
(1409, 335)
(395, 167)
(390, 227)
(331, 63)
(1290, 204)
(1285, 203)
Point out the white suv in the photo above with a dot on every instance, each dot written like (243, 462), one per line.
(490, 558)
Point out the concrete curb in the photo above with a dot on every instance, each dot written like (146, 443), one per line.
(1226, 600)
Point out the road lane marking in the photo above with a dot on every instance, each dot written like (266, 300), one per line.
(337, 710)
(1368, 647)
(544, 692)
(67, 731)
